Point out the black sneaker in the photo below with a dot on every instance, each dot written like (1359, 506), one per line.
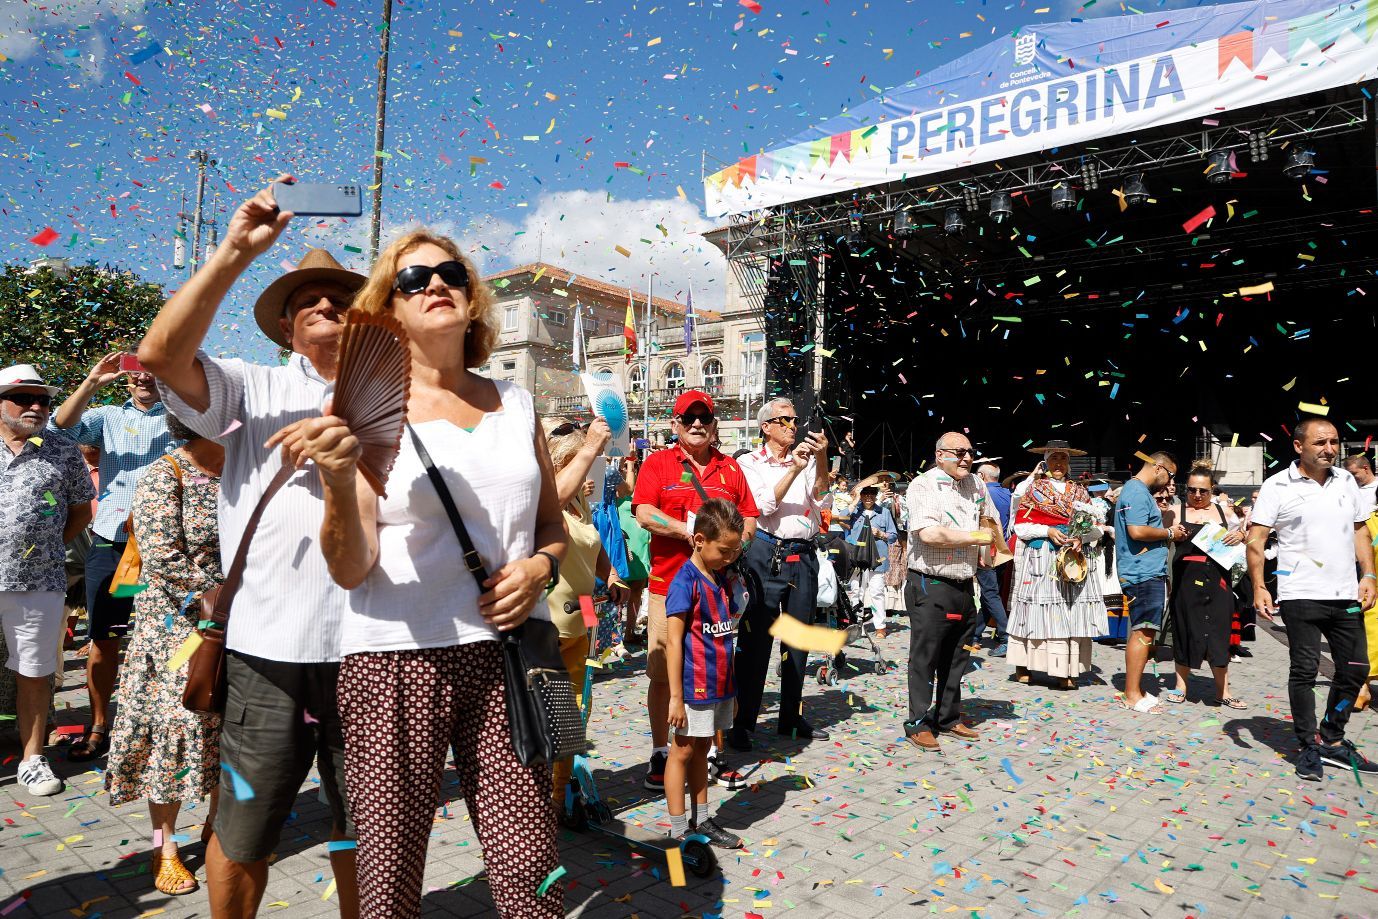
(1344, 755)
(720, 774)
(1242, 651)
(655, 773)
(1309, 764)
(738, 739)
(717, 835)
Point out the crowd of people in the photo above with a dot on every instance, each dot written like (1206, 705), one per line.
(365, 641)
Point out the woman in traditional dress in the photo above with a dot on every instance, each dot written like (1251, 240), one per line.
(158, 749)
(1202, 601)
(1053, 617)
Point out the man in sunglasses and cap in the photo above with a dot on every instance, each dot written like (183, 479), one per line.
(45, 495)
(673, 484)
(283, 638)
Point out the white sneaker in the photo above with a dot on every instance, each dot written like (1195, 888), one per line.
(37, 777)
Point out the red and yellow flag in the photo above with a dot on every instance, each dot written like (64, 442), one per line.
(629, 331)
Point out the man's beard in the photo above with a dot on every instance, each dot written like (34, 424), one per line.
(19, 426)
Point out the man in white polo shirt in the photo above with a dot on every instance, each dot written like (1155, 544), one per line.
(1319, 518)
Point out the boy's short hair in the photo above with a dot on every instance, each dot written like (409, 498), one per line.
(716, 517)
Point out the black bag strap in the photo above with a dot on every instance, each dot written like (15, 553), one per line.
(1221, 511)
(472, 561)
(698, 486)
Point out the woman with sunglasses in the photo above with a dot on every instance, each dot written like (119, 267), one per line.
(1202, 601)
(422, 669)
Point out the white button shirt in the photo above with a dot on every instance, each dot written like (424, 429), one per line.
(794, 517)
(1315, 529)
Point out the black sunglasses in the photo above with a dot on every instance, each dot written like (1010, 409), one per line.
(42, 400)
(689, 418)
(415, 279)
(959, 452)
(1198, 491)
(569, 427)
(783, 419)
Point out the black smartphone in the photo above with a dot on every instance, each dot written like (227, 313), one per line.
(319, 199)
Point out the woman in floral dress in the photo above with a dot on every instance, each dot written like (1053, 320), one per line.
(159, 750)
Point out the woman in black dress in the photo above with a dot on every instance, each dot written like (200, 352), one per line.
(1202, 602)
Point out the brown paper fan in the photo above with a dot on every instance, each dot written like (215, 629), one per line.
(371, 388)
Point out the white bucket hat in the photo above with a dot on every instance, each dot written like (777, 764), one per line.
(24, 375)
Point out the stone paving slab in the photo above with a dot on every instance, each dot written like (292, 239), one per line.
(1068, 806)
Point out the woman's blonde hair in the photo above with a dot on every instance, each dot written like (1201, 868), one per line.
(1202, 467)
(562, 449)
(376, 295)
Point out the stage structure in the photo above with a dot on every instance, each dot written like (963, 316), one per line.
(1147, 229)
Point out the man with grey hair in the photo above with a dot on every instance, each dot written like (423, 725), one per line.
(789, 482)
(949, 512)
(1358, 465)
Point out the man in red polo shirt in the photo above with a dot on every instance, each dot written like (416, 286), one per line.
(672, 484)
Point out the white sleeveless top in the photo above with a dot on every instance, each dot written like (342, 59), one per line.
(419, 594)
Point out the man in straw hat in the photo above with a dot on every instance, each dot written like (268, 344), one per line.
(45, 501)
(283, 640)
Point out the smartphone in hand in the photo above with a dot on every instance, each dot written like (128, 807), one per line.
(319, 199)
(129, 363)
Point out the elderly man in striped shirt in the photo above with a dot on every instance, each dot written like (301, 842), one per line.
(283, 637)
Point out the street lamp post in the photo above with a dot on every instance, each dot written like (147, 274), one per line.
(379, 131)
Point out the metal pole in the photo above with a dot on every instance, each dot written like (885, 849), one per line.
(646, 373)
(379, 130)
(201, 156)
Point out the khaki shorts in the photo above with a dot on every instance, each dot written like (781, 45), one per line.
(656, 633)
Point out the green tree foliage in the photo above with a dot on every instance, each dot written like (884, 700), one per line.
(63, 321)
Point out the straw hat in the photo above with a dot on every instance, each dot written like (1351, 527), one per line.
(1057, 446)
(24, 376)
(316, 265)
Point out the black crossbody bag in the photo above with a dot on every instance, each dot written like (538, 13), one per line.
(546, 723)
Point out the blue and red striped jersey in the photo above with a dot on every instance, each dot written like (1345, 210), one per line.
(709, 635)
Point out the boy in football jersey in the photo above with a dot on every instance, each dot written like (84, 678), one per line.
(701, 611)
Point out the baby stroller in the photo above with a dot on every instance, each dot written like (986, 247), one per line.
(841, 614)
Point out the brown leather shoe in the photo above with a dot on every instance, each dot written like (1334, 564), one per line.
(964, 732)
(924, 740)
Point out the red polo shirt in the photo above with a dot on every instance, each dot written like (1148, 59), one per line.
(661, 483)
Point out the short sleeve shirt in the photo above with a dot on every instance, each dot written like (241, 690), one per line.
(663, 484)
(937, 499)
(1315, 529)
(709, 635)
(130, 441)
(1137, 561)
(37, 486)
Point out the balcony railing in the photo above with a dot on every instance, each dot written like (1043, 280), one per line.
(662, 400)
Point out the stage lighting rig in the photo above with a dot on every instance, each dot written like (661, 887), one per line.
(971, 198)
(1064, 197)
(1219, 172)
(1135, 190)
(1258, 147)
(954, 224)
(1299, 164)
(1001, 206)
(904, 224)
(1090, 175)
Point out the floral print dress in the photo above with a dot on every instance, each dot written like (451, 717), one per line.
(158, 749)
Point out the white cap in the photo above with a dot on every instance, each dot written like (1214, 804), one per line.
(24, 375)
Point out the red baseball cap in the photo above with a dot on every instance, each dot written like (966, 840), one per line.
(687, 399)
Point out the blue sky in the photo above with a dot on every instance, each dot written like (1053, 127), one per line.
(562, 129)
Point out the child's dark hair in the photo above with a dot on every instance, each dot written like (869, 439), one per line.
(716, 517)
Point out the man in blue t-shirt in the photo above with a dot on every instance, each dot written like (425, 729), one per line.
(988, 579)
(1141, 560)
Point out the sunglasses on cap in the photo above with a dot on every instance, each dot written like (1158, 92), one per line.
(569, 427)
(688, 418)
(23, 399)
(415, 279)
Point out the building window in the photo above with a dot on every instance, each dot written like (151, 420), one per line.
(509, 365)
(712, 374)
(635, 378)
(557, 317)
(674, 377)
(592, 326)
(509, 319)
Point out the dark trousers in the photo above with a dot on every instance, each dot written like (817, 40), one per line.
(107, 617)
(1342, 624)
(794, 589)
(940, 619)
(988, 579)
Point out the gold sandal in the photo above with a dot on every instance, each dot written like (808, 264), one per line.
(169, 876)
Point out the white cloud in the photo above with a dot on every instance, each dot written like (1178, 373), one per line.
(579, 231)
(26, 27)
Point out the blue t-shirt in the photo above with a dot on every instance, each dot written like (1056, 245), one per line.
(709, 635)
(1137, 561)
(1000, 497)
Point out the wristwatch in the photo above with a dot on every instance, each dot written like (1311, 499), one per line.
(554, 568)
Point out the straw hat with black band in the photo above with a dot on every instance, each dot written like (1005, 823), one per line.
(1057, 446)
(316, 265)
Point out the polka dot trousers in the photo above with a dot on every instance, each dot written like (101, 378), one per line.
(401, 709)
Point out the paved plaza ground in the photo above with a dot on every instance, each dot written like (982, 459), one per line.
(1068, 806)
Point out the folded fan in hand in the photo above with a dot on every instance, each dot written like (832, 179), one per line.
(371, 387)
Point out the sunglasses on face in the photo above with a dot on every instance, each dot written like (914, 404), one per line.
(689, 418)
(569, 427)
(23, 399)
(415, 279)
(960, 452)
(791, 420)
(1198, 491)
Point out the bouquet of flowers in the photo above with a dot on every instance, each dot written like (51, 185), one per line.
(1070, 564)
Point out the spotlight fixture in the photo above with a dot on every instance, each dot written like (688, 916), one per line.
(856, 238)
(1219, 172)
(971, 198)
(1090, 175)
(1064, 197)
(1001, 206)
(1258, 148)
(954, 224)
(1299, 164)
(1135, 190)
(904, 224)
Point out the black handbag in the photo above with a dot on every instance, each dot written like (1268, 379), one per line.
(863, 553)
(546, 723)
